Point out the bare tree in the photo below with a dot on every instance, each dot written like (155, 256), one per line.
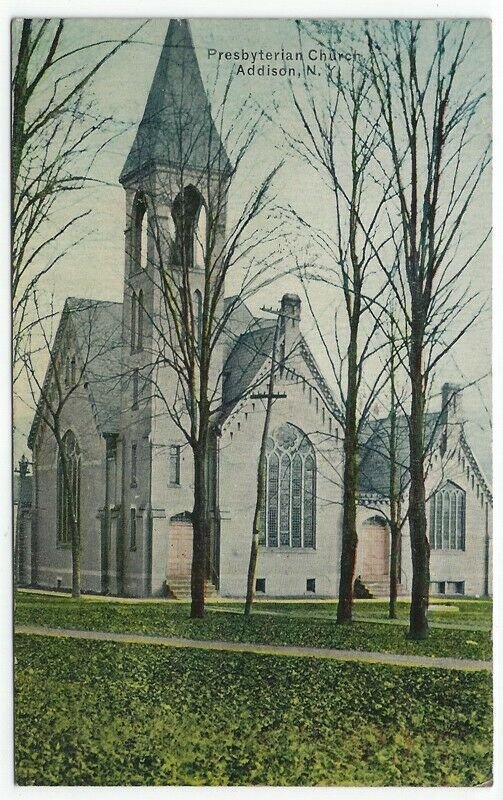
(340, 139)
(430, 99)
(384, 455)
(56, 137)
(52, 393)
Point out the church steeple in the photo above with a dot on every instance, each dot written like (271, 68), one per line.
(177, 128)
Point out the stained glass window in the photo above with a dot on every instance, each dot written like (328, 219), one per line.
(447, 518)
(68, 489)
(290, 490)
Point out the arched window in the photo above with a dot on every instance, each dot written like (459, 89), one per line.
(200, 236)
(67, 372)
(140, 233)
(73, 371)
(290, 497)
(133, 322)
(139, 341)
(198, 316)
(447, 518)
(68, 498)
(190, 227)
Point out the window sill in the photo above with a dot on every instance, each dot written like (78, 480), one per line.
(63, 545)
(286, 549)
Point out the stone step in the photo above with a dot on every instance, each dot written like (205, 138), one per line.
(179, 588)
(381, 588)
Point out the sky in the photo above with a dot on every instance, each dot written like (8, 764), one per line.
(95, 267)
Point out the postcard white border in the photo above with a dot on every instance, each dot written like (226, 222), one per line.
(247, 8)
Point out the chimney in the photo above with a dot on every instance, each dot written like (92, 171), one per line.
(290, 322)
(451, 402)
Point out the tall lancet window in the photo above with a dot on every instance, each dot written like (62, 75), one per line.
(198, 317)
(200, 237)
(447, 518)
(133, 322)
(68, 489)
(290, 496)
(139, 340)
(140, 233)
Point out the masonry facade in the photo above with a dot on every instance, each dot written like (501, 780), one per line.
(131, 467)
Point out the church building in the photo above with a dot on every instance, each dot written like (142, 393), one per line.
(131, 469)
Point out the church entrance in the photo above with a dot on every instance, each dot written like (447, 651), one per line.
(373, 550)
(180, 546)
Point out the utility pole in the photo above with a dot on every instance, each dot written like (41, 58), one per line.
(269, 397)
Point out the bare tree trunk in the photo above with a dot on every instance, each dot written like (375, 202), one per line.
(75, 558)
(394, 490)
(19, 101)
(417, 501)
(200, 533)
(350, 485)
(393, 568)
(258, 515)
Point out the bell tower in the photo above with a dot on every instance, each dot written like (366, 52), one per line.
(174, 178)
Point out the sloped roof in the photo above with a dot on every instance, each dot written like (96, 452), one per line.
(247, 357)
(177, 127)
(248, 343)
(97, 326)
(239, 320)
(374, 468)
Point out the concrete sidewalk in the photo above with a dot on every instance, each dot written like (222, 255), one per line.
(262, 649)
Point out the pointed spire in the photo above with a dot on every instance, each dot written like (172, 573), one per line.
(177, 128)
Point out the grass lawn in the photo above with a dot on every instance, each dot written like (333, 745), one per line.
(101, 713)
(451, 613)
(310, 625)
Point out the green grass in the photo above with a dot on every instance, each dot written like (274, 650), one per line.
(460, 613)
(293, 627)
(101, 713)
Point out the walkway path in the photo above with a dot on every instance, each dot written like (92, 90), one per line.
(263, 649)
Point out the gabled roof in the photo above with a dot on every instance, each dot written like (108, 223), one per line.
(97, 327)
(246, 359)
(374, 468)
(375, 464)
(177, 127)
(248, 347)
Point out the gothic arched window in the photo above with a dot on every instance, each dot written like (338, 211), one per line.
(140, 233)
(198, 316)
(133, 322)
(200, 233)
(447, 518)
(189, 219)
(139, 341)
(290, 497)
(68, 498)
